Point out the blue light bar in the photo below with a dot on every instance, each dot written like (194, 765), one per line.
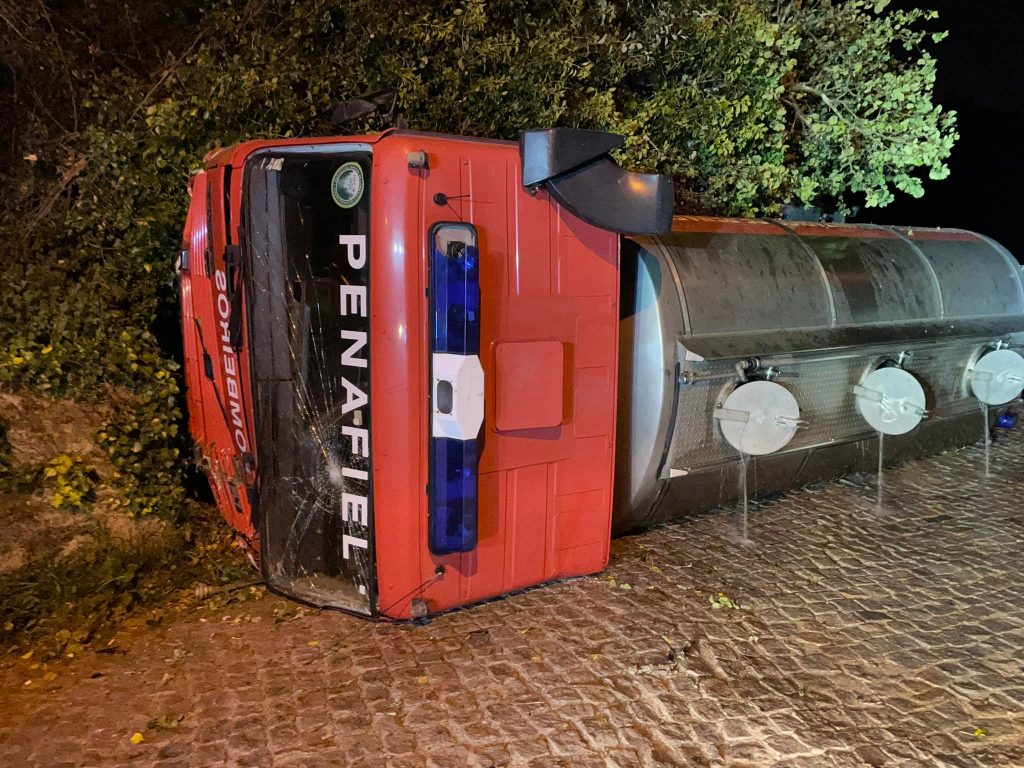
(455, 290)
(454, 335)
(453, 489)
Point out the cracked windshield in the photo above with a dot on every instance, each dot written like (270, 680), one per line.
(309, 316)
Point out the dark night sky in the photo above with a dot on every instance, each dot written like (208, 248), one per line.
(981, 76)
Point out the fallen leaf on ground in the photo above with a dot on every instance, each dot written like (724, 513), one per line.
(137, 738)
(165, 722)
(721, 600)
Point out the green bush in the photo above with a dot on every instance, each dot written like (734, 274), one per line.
(749, 104)
(71, 480)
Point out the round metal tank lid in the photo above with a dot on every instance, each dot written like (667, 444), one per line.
(759, 418)
(998, 377)
(891, 400)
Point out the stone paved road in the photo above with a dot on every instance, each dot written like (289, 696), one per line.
(863, 637)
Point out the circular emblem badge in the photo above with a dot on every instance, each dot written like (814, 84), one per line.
(347, 185)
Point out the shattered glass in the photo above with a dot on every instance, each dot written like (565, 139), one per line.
(307, 240)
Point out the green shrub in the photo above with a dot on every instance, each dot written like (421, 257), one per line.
(748, 104)
(71, 480)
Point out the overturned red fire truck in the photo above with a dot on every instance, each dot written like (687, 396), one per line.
(425, 370)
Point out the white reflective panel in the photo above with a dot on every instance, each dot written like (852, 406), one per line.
(458, 396)
(758, 418)
(998, 377)
(891, 400)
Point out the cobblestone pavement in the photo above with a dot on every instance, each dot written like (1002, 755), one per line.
(862, 636)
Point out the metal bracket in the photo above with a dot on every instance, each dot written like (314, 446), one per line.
(879, 397)
(729, 414)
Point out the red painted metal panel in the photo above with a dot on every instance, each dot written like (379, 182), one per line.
(949, 235)
(399, 365)
(528, 385)
(194, 246)
(712, 225)
(215, 374)
(526, 244)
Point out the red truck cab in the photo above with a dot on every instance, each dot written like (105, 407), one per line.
(401, 359)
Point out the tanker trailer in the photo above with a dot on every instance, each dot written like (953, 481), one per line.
(859, 331)
(420, 368)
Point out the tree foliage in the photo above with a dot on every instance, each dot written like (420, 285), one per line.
(749, 104)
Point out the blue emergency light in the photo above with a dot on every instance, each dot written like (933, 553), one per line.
(454, 331)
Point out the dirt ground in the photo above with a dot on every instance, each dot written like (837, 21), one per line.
(38, 430)
(842, 634)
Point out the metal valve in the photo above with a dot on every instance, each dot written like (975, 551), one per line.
(759, 418)
(998, 376)
(891, 400)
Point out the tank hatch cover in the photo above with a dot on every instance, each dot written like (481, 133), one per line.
(758, 418)
(997, 377)
(891, 400)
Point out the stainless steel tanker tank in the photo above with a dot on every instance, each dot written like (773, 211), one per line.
(717, 304)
